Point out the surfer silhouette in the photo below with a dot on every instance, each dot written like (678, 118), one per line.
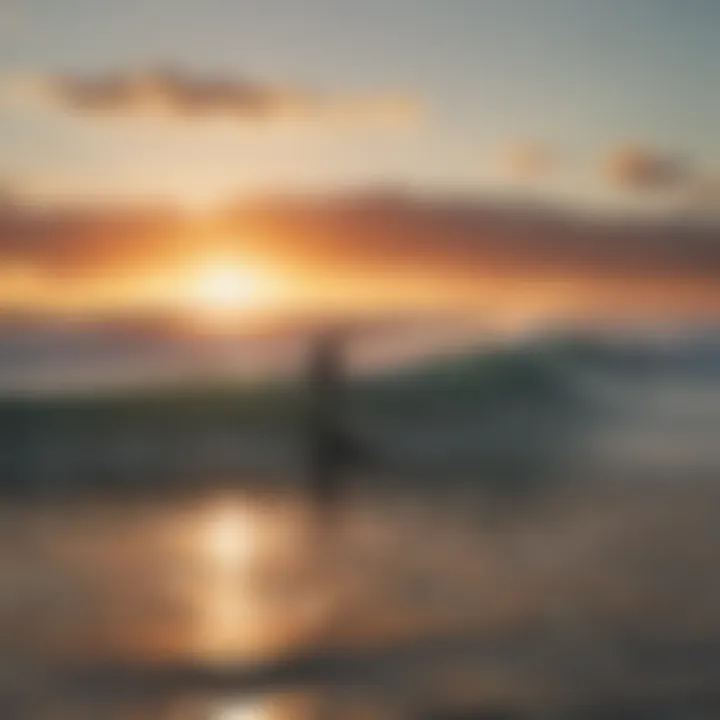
(332, 450)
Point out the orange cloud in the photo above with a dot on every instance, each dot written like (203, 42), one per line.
(383, 250)
(524, 160)
(641, 168)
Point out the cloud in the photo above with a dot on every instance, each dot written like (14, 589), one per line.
(704, 195)
(8, 193)
(387, 247)
(174, 93)
(639, 168)
(466, 238)
(524, 160)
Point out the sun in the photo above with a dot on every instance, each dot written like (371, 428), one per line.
(220, 287)
(224, 286)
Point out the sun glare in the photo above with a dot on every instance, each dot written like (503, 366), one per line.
(221, 288)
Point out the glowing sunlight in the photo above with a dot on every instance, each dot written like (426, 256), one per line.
(222, 287)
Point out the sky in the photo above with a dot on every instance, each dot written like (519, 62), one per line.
(374, 145)
(485, 78)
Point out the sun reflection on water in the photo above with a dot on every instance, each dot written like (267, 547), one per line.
(242, 710)
(257, 593)
(283, 706)
(230, 535)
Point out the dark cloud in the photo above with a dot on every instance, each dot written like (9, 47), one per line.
(479, 239)
(382, 241)
(7, 194)
(72, 242)
(644, 169)
(175, 93)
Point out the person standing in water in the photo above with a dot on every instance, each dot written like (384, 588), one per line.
(332, 451)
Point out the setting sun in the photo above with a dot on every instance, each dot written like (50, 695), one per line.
(222, 286)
